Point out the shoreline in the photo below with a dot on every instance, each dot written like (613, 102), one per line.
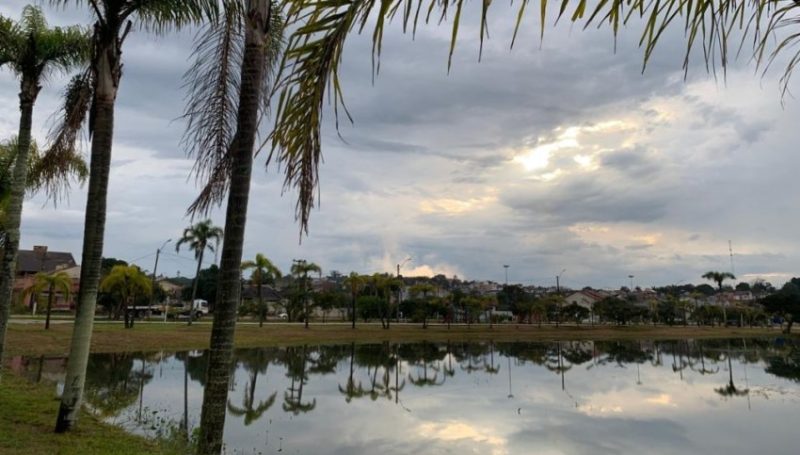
(31, 339)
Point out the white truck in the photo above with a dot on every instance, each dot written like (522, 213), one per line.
(196, 310)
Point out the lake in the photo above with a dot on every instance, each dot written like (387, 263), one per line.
(607, 397)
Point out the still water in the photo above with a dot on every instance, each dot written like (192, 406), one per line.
(666, 397)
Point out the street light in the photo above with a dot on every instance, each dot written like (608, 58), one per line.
(408, 259)
(558, 280)
(400, 289)
(506, 266)
(631, 277)
(155, 270)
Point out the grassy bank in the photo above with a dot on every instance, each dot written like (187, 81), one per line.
(27, 419)
(32, 339)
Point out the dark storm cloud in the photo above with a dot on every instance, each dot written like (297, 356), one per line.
(590, 200)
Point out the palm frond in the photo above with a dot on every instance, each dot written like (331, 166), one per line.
(310, 70)
(63, 160)
(213, 84)
(211, 105)
(163, 16)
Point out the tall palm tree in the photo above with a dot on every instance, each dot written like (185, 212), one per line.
(128, 282)
(33, 52)
(264, 272)
(355, 283)
(199, 238)
(97, 88)
(719, 278)
(229, 92)
(50, 283)
(301, 269)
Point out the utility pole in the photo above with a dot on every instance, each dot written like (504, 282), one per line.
(558, 281)
(505, 266)
(155, 270)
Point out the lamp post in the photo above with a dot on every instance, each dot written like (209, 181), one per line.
(153, 290)
(506, 266)
(558, 281)
(400, 289)
(631, 277)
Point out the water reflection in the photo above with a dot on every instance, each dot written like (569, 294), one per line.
(504, 398)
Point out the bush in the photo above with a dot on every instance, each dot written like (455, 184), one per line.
(20, 308)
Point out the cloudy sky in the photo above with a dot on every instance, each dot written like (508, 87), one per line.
(557, 155)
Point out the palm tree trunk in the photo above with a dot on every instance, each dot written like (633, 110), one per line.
(49, 307)
(354, 312)
(94, 228)
(107, 71)
(215, 395)
(194, 285)
(305, 300)
(29, 90)
(262, 312)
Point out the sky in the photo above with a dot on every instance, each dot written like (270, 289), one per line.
(559, 157)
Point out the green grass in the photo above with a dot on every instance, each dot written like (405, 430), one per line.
(32, 339)
(28, 415)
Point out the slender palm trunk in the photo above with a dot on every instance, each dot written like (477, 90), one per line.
(354, 311)
(215, 395)
(107, 70)
(49, 307)
(29, 90)
(194, 284)
(262, 311)
(305, 300)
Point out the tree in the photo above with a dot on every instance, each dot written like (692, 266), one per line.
(52, 283)
(719, 278)
(198, 238)
(785, 303)
(44, 172)
(354, 283)
(301, 269)
(33, 52)
(96, 90)
(575, 312)
(424, 305)
(264, 272)
(127, 282)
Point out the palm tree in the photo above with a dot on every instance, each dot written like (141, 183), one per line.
(50, 283)
(128, 282)
(229, 92)
(719, 278)
(264, 272)
(97, 88)
(198, 238)
(355, 283)
(301, 269)
(33, 52)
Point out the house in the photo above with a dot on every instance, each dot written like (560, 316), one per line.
(40, 259)
(585, 298)
(272, 298)
(171, 289)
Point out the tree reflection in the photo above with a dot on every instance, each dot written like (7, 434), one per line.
(112, 382)
(296, 360)
(351, 390)
(730, 390)
(256, 361)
